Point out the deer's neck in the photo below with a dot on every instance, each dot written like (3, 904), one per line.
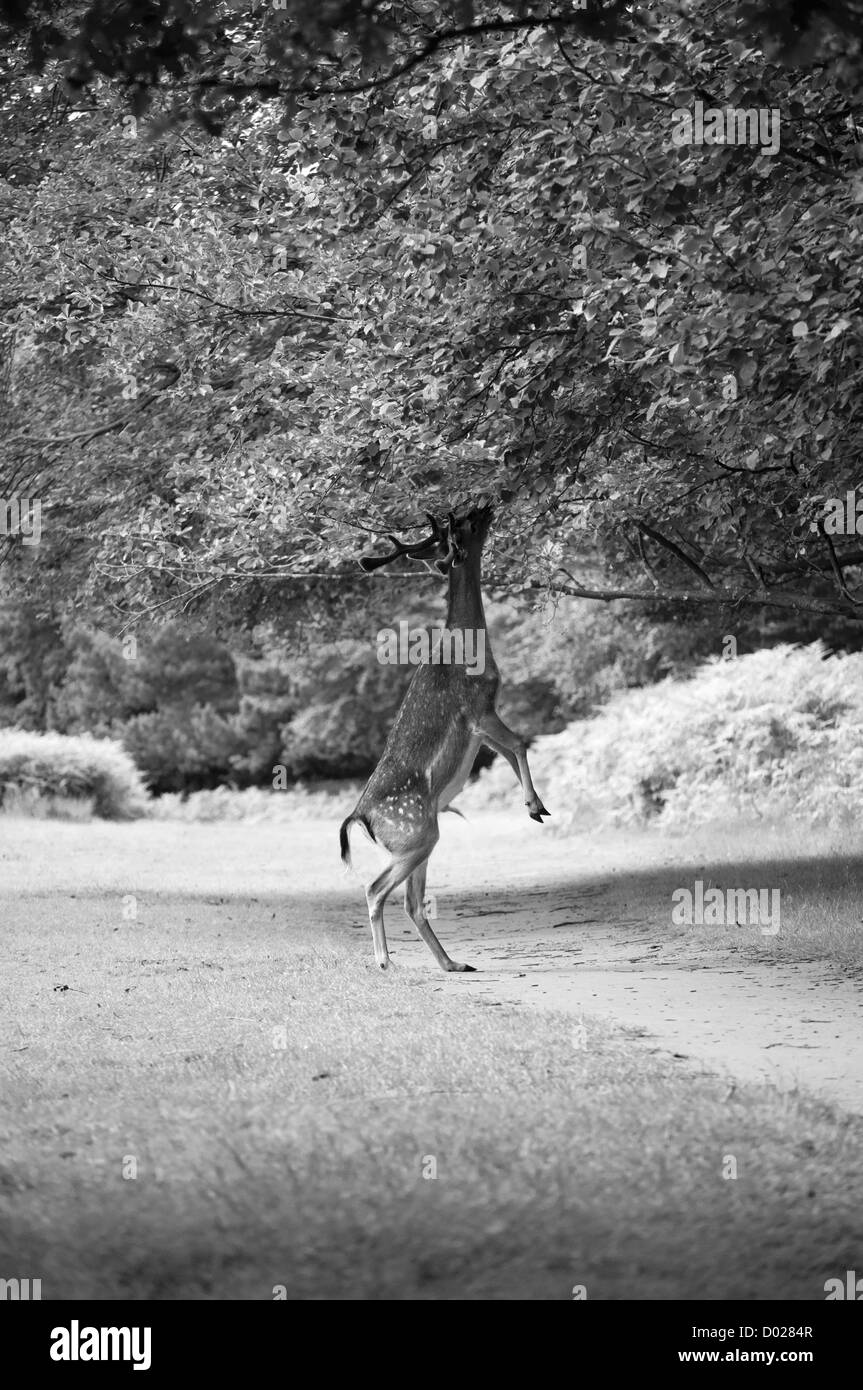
(465, 608)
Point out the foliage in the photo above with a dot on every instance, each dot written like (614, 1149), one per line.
(33, 659)
(267, 702)
(346, 702)
(170, 696)
(179, 749)
(324, 801)
(773, 735)
(429, 252)
(197, 712)
(53, 766)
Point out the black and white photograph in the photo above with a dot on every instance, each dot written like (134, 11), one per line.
(431, 667)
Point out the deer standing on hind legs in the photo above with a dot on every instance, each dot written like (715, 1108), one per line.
(447, 713)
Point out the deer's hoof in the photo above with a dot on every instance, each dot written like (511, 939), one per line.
(539, 813)
(454, 965)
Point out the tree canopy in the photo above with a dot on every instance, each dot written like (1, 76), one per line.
(278, 279)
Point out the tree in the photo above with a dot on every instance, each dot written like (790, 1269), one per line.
(423, 254)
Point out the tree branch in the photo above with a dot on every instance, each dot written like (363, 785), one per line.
(579, 21)
(676, 550)
(84, 436)
(717, 597)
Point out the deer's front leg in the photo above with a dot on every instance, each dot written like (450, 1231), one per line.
(496, 734)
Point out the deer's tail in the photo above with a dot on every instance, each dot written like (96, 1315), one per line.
(344, 841)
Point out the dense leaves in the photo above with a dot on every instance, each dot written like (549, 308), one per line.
(276, 281)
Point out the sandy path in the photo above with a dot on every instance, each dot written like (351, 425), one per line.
(570, 934)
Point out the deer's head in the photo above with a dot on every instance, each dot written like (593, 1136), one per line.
(452, 542)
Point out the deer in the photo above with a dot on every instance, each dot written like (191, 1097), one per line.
(447, 713)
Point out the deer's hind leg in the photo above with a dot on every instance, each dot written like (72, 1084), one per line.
(405, 859)
(415, 889)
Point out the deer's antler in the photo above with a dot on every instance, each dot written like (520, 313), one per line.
(418, 550)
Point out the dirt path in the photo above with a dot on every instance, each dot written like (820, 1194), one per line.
(573, 934)
(577, 925)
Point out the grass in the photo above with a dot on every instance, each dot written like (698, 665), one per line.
(817, 873)
(282, 1102)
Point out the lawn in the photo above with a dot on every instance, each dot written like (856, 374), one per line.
(212, 1093)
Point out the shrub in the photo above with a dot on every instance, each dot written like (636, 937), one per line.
(52, 766)
(774, 735)
(37, 806)
(181, 749)
(325, 801)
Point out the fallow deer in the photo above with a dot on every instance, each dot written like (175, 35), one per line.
(447, 713)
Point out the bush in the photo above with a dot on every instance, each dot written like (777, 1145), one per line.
(37, 806)
(48, 767)
(774, 735)
(325, 801)
(180, 749)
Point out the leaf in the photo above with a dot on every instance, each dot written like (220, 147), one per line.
(840, 326)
